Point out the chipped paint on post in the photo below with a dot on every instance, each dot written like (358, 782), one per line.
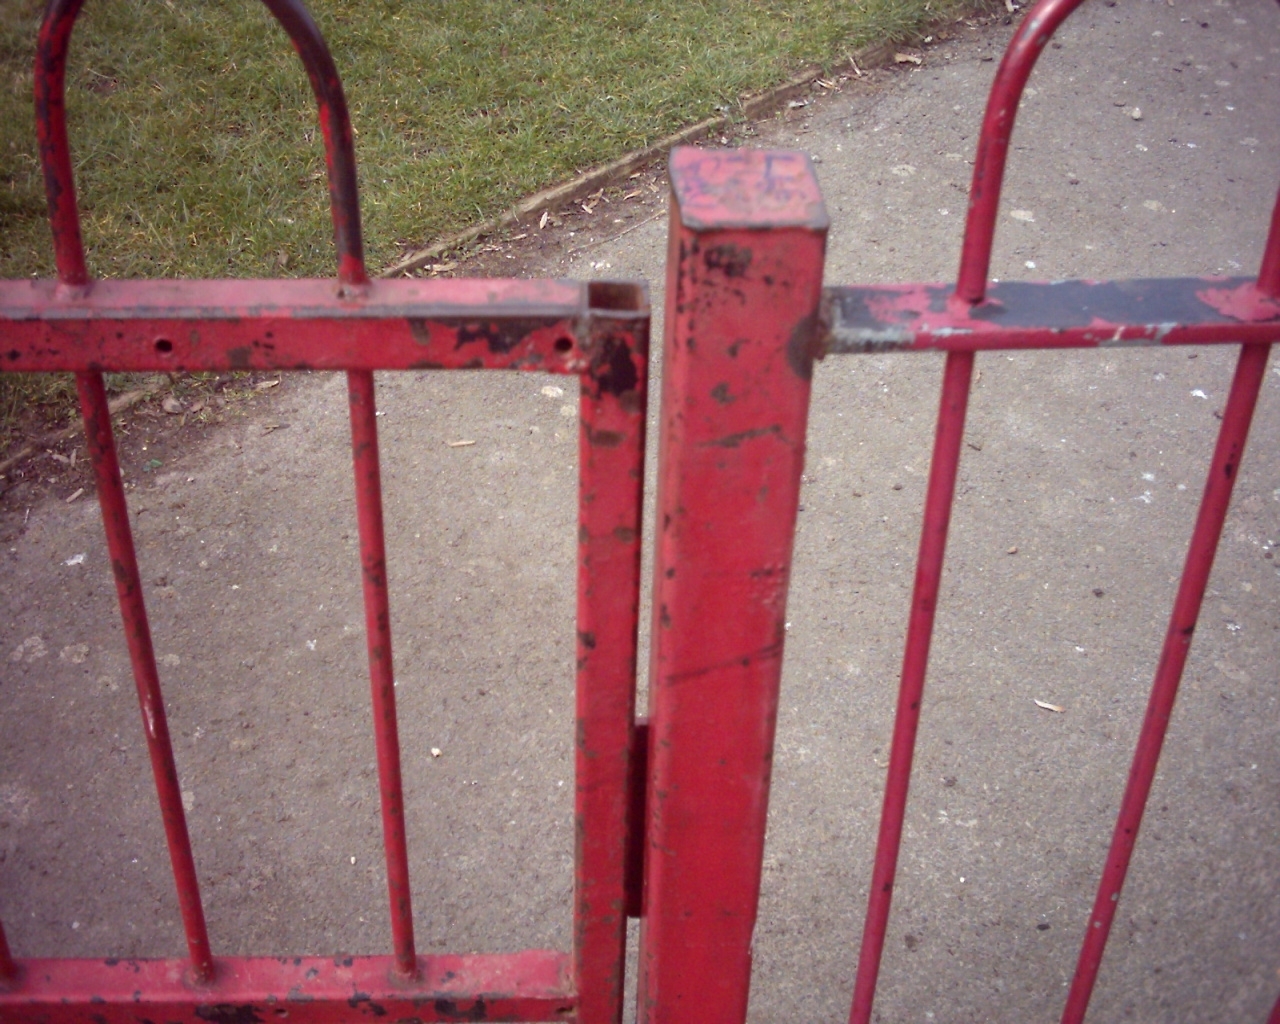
(744, 276)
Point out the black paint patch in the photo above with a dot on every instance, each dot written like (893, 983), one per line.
(730, 259)
(803, 347)
(733, 440)
(1079, 303)
(612, 367)
(229, 1013)
(605, 438)
(500, 336)
(363, 997)
(449, 1009)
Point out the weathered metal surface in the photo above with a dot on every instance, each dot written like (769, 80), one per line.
(1020, 57)
(377, 626)
(611, 456)
(740, 324)
(598, 332)
(149, 326)
(529, 986)
(55, 150)
(133, 612)
(975, 316)
(1223, 469)
(943, 467)
(1060, 314)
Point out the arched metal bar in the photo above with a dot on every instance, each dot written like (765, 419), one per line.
(1033, 36)
(55, 150)
(1269, 271)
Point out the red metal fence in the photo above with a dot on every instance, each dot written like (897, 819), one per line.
(746, 318)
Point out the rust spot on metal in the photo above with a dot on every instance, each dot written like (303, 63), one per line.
(605, 438)
(733, 440)
(624, 534)
(588, 640)
(721, 393)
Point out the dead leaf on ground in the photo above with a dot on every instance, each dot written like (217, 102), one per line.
(460, 444)
(262, 385)
(546, 216)
(1047, 706)
(907, 58)
(171, 405)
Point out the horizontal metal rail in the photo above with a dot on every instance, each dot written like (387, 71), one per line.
(1058, 314)
(535, 985)
(304, 324)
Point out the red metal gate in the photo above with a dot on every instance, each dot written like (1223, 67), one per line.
(597, 331)
(746, 318)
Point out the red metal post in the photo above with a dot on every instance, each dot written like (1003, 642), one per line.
(744, 275)
(611, 446)
(1223, 470)
(124, 567)
(1274, 1017)
(924, 602)
(377, 613)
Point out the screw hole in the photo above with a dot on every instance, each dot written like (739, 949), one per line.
(563, 344)
(281, 1011)
(164, 346)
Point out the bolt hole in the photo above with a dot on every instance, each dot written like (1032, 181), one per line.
(281, 1011)
(563, 344)
(164, 346)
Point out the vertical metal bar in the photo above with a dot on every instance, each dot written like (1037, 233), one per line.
(377, 616)
(124, 566)
(8, 969)
(956, 378)
(611, 450)
(744, 277)
(1223, 470)
(1020, 57)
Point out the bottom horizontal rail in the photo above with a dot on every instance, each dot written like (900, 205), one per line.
(533, 985)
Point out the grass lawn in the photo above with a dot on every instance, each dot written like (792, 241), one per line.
(194, 132)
